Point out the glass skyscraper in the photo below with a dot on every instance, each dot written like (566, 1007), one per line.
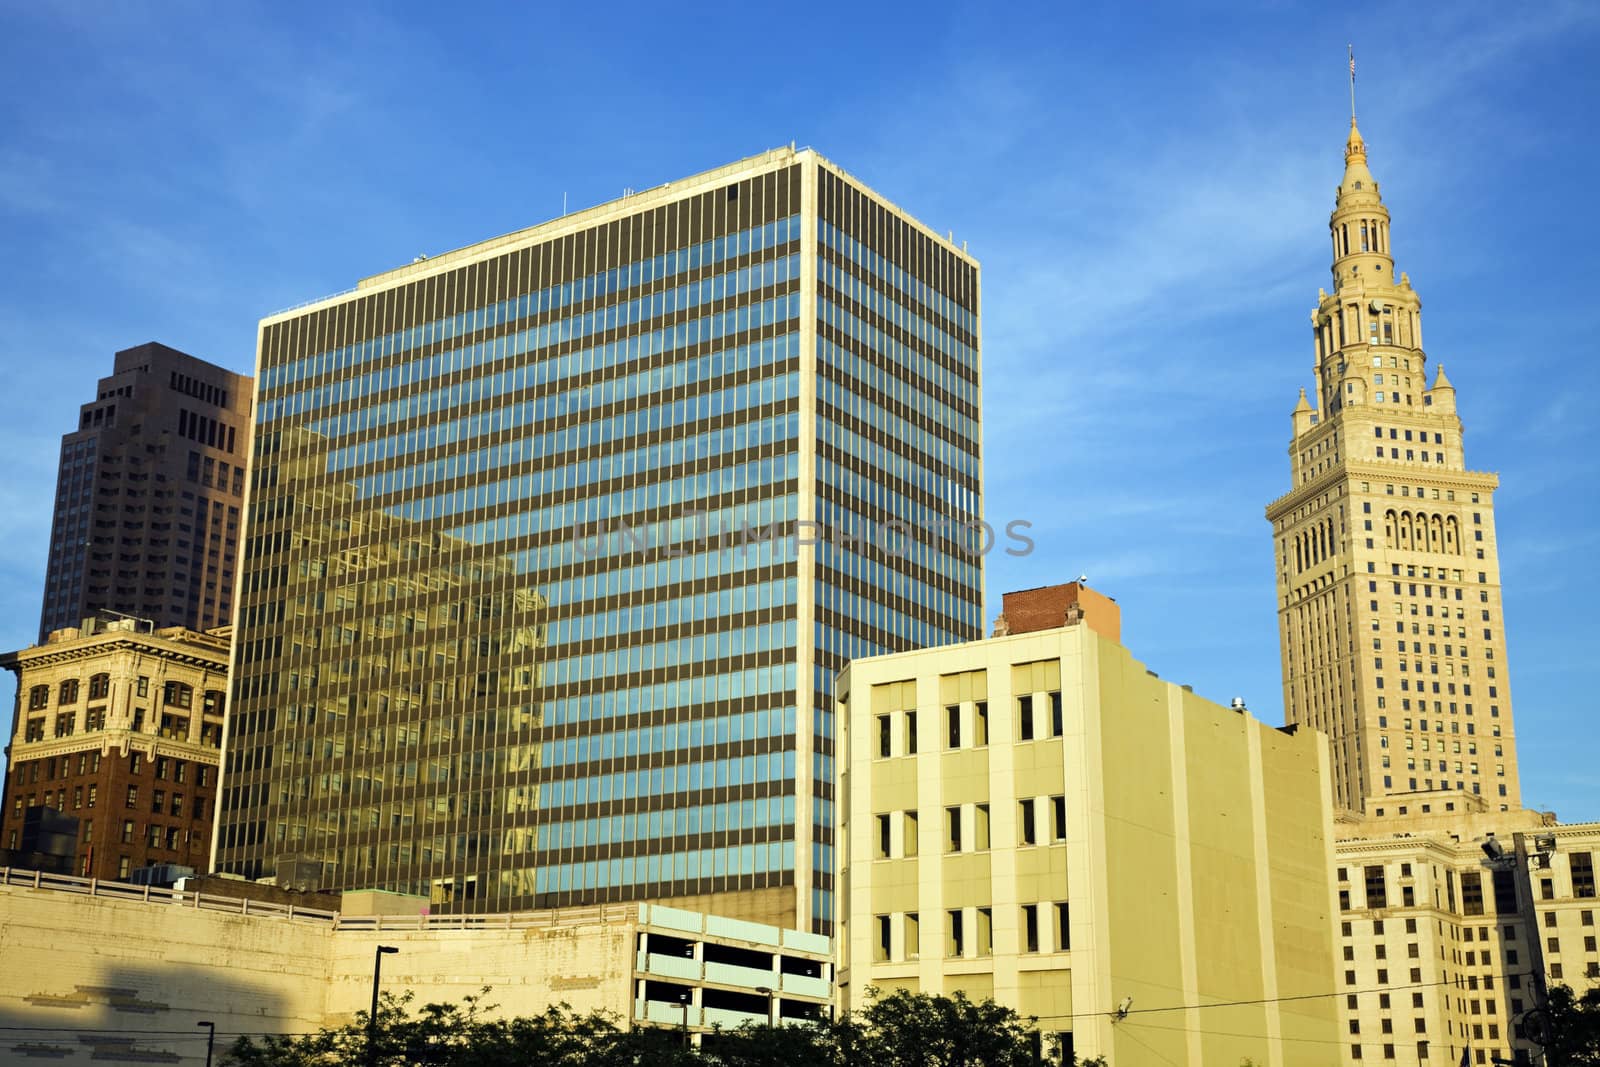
(555, 544)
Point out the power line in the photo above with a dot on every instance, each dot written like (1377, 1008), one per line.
(1264, 1000)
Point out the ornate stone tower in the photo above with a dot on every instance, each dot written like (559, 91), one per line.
(1388, 579)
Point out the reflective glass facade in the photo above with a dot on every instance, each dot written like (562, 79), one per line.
(549, 562)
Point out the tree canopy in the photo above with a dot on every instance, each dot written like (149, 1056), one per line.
(896, 1029)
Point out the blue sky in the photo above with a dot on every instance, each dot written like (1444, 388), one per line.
(1148, 193)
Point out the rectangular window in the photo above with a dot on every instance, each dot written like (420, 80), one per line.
(1471, 893)
(908, 845)
(913, 936)
(1057, 726)
(133, 796)
(980, 826)
(1025, 826)
(883, 736)
(985, 944)
(1063, 927)
(955, 936)
(1582, 866)
(880, 951)
(980, 723)
(952, 832)
(911, 733)
(1025, 718)
(952, 717)
(883, 836)
(1030, 928)
(1377, 893)
(1058, 818)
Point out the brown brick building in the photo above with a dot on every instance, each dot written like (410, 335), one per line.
(119, 728)
(148, 495)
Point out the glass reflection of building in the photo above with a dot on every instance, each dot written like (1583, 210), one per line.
(529, 614)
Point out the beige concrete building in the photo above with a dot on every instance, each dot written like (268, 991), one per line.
(1388, 577)
(119, 727)
(1038, 818)
(100, 971)
(1450, 912)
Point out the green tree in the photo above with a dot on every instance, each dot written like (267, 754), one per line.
(903, 1029)
(1570, 1025)
(899, 1029)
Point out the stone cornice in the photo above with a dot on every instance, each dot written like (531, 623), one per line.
(105, 645)
(1383, 470)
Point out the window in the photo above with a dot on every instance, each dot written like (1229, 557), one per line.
(913, 933)
(1377, 894)
(1471, 893)
(124, 865)
(1057, 726)
(133, 796)
(38, 697)
(127, 832)
(883, 736)
(1026, 831)
(1058, 818)
(1063, 926)
(177, 695)
(952, 834)
(1025, 718)
(1030, 928)
(980, 826)
(955, 936)
(158, 801)
(135, 763)
(952, 715)
(99, 686)
(1581, 865)
(911, 733)
(985, 946)
(880, 951)
(68, 692)
(94, 791)
(163, 766)
(980, 723)
(883, 836)
(908, 844)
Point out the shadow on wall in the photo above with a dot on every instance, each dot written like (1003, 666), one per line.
(133, 1013)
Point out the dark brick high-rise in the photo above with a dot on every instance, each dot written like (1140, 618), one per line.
(148, 495)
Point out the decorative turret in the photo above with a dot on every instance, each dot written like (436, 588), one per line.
(1442, 397)
(1304, 417)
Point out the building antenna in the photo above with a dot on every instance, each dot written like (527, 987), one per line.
(564, 193)
(1352, 82)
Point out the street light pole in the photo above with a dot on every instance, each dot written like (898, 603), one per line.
(372, 1016)
(211, 1037)
(770, 994)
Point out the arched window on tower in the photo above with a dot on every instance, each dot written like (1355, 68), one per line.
(1363, 236)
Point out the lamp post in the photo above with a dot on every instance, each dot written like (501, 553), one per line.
(771, 996)
(372, 1017)
(211, 1037)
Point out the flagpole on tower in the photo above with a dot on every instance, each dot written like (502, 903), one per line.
(1352, 82)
